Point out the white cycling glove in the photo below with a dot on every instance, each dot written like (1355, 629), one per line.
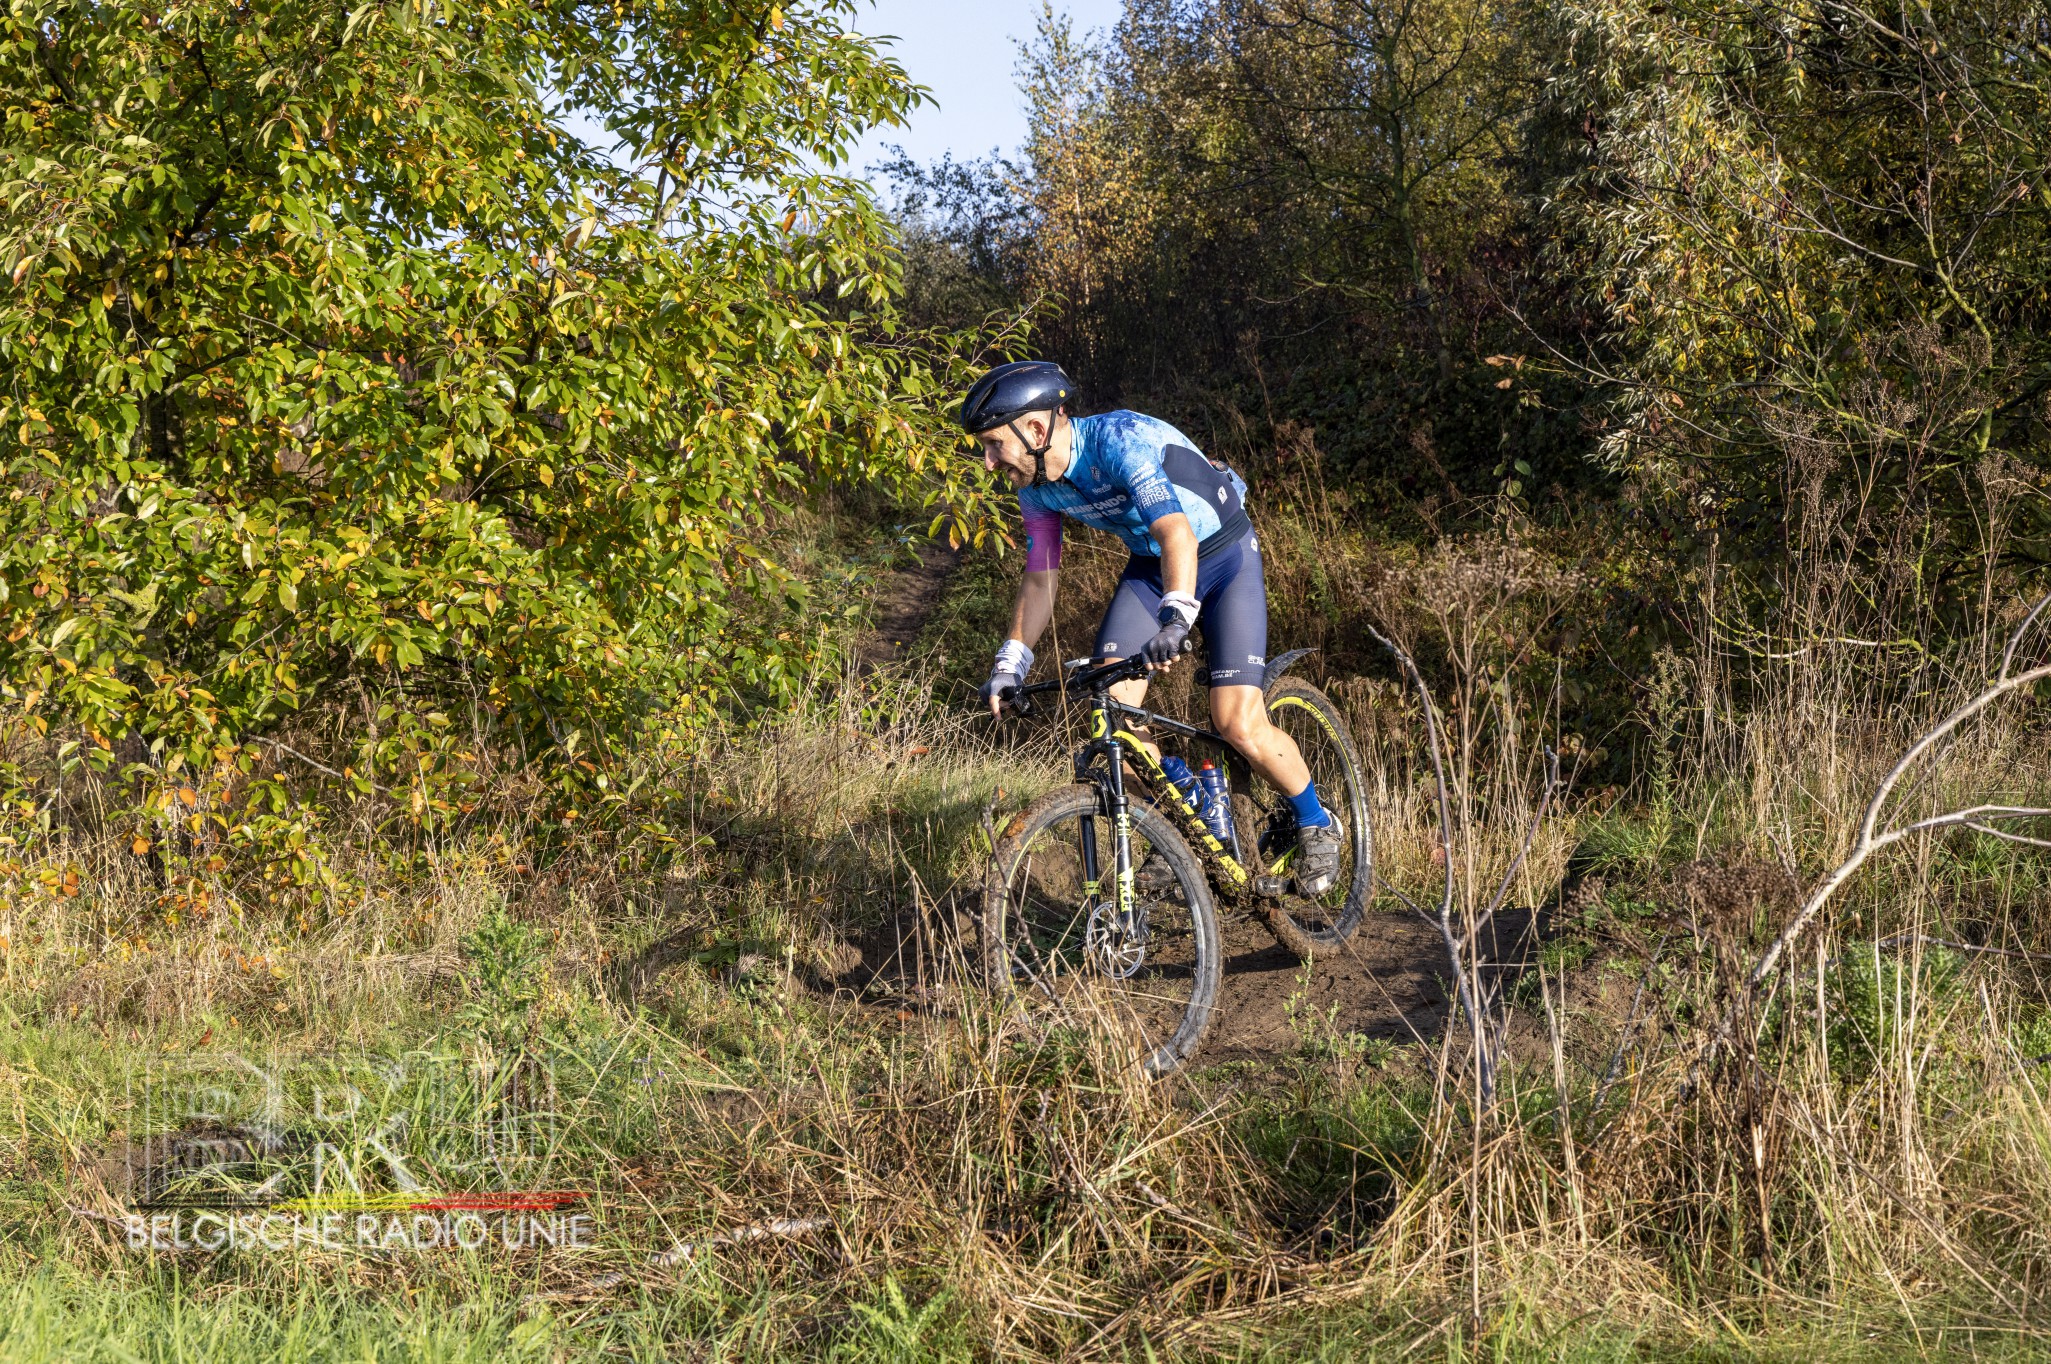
(1014, 661)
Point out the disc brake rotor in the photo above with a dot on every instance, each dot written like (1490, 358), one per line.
(1118, 950)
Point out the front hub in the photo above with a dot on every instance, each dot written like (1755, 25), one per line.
(1117, 943)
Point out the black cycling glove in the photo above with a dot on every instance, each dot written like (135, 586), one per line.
(1162, 649)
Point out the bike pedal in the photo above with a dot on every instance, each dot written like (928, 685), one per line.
(1275, 886)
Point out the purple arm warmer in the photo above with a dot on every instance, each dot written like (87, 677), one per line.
(1043, 540)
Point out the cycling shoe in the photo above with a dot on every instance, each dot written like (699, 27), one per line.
(1316, 864)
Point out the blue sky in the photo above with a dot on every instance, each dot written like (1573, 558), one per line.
(964, 52)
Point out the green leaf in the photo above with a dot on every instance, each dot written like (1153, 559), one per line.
(354, 301)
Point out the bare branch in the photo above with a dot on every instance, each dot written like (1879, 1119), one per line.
(1870, 840)
(2012, 838)
(2015, 640)
(1465, 978)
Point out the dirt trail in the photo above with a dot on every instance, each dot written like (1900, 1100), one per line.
(905, 603)
(1385, 984)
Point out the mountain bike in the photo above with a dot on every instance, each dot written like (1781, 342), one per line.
(1100, 911)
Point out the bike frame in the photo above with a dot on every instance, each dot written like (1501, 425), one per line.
(1101, 763)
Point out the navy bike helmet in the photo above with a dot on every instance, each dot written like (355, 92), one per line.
(1010, 391)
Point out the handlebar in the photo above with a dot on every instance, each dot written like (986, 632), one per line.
(1088, 680)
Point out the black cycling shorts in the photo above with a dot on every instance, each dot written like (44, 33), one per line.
(1233, 621)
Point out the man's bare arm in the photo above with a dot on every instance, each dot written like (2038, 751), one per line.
(1034, 609)
(1178, 560)
(1032, 612)
(1178, 552)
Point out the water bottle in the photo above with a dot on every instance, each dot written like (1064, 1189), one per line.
(1183, 780)
(1216, 803)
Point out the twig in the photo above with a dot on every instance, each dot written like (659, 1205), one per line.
(1466, 980)
(1616, 1060)
(1924, 939)
(782, 1227)
(320, 766)
(1552, 782)
(2012, 838)
(2015, 640)
(91, 1215)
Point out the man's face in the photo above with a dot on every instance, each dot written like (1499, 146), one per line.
(1005, 451)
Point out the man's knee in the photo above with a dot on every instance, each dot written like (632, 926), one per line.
(1240, 723)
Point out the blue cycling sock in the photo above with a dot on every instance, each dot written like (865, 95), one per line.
(1309, 814)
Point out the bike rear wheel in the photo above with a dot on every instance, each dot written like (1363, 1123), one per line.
(1052, 940)
(1307, 925)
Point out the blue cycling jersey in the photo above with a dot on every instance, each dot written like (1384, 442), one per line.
(1127, 472)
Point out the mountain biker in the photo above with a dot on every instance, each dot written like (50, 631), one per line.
(1194, 556)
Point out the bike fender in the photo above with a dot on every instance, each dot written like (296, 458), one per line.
(1283, 663)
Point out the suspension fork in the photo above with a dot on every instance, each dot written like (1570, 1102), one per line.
(1121, 825)
(1111, 793)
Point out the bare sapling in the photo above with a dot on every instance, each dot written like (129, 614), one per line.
(1458, 923)
(1873, 836)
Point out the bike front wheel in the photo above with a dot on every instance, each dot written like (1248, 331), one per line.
(1055, 941)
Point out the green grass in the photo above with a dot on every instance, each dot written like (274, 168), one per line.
(971, 1190)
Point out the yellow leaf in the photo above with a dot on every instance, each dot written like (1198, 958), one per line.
(189, 796)
(140, 846)
(547, 476)
(776, 19)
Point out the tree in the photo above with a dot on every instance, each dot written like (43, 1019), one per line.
(1302, 214)
(1818, 236)
(1399, 113)
(333, 357)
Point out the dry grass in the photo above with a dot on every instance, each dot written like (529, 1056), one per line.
(784, 969)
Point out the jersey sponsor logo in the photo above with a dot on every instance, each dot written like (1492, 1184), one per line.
(1102, 506)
